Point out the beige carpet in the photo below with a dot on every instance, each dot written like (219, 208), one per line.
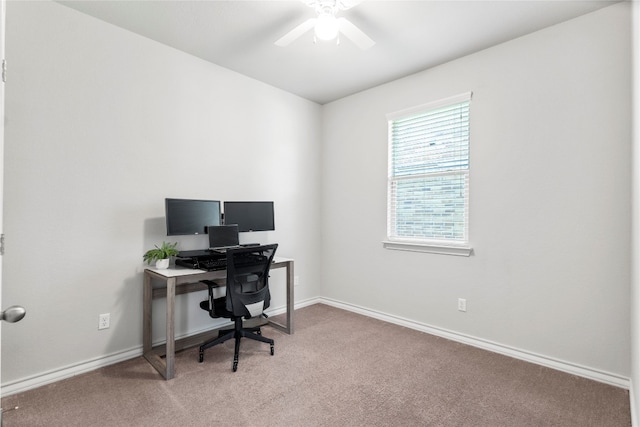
(338, 369)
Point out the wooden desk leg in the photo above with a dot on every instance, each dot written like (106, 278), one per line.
(288, 328)
(171, 339)
(147, 295)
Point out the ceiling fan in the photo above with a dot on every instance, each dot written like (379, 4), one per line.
(327, 26)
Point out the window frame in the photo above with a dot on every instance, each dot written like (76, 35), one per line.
(459, 247)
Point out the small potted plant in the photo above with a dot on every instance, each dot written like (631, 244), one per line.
(161, 254)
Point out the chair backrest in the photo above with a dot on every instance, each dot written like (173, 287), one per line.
(248, 279)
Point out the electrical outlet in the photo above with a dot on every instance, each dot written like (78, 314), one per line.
(462, 304)
(103, 320)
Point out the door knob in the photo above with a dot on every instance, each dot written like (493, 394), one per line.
(13, 314)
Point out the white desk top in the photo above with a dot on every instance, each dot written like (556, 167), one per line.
(177, 271)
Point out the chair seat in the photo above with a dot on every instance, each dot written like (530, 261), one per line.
(219, 308)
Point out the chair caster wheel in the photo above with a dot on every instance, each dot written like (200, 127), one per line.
(201, 357)
(272, 350)
(259, 332)
(235, 366)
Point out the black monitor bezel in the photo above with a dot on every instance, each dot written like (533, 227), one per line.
(170, 219)
(243, 227)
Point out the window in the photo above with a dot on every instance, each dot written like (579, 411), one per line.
(428, 177)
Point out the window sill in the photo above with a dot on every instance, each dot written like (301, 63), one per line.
(433, 248)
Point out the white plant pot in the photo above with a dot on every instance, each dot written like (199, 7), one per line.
(162, 264)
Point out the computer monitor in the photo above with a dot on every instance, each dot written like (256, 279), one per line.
(250, 216)
(187, 216)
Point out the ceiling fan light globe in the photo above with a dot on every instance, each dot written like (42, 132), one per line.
(326, 27)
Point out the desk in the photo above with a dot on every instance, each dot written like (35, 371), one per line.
(176, 281)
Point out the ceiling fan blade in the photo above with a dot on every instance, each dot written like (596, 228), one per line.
(354, 34)
(348, 4)
(296, 32)
(339, 4)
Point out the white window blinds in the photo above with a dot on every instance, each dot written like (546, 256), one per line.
(428, 178)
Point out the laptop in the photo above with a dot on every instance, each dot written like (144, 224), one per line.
(223, 237)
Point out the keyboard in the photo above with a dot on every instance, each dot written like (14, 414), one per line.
(213, 264)
(223, 250)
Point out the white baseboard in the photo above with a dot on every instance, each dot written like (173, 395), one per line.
(34, 381)
(571, 368)
(52, 376)
(297, 305)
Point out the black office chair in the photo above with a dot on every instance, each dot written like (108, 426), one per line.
(247, 296)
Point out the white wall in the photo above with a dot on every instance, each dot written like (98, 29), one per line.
(93, 112)
(101, 126)
(550, 198)
(635, 283)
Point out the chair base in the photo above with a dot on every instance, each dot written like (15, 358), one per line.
(237, 332)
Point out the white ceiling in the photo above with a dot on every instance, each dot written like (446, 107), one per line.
(410, 36)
